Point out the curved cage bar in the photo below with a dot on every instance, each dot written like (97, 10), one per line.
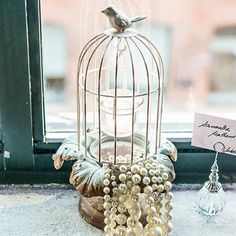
(120, 93)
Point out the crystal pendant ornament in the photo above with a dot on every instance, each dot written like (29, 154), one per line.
(211, 197)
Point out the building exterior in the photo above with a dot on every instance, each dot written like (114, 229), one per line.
(197, 40)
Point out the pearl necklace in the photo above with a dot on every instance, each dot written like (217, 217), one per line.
(124, 188)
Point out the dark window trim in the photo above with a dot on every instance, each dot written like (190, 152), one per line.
(15, 96)
(36, 69)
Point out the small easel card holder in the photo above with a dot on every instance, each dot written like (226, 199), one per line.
(214, 133)
(218, 134)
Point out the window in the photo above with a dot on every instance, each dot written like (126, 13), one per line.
(37, 90)
(223, 85)
(54, 74)
(191, 55)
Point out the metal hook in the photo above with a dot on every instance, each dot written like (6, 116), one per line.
(223, 147)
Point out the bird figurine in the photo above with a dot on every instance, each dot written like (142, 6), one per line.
(119, 20)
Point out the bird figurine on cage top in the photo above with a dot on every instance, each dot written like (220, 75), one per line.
(122, 171)
(119, 20)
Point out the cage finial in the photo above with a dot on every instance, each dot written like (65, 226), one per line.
(119, 20)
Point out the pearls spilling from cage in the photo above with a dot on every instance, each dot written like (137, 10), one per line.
(122, 203)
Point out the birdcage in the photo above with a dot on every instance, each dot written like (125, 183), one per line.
(119, 158)
(120, 91)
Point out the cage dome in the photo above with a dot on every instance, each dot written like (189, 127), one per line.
(120, 92)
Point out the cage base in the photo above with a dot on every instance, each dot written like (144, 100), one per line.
(91, 209)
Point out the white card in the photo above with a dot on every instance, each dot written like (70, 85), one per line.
(214, 133)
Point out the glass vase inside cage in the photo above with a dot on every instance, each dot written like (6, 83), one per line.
(120, 97)
(126, 113)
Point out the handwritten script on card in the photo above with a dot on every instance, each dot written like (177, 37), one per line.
(214, 133)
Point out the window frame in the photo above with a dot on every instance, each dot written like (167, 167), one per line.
(22, 122)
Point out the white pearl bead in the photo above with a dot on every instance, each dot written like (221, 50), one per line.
(150, 200)
(129, 184)
(135, 189)
(114, 190)
(107, 205)
(147, 229)
(155, 194)
(135, 211)
(154, 179)
(143, 171)
(156, 221)
(168, 216)
(123, 168)
(106, 190)
(146, 180)
(167, 185)
(131, 232)
(107, 213)
(151, 210)
(140, 164)
(155, 187)
(168, 227)
(154, 165)
(122, 198)
(115, 204)
(169, 206)
(122, 187)
(121, 230)
(138, 228)
(112, 224)
(114, 198)
(164, 176)
(136, 178)
(148, 166)
(158, 172)
(159, 179)
(129, 174)
(113, 210)
(107, 175)
(122, 177)
(135, 198)
(131, 222)
(106, 198)
(158, 205)
(113, 177)
(121, 219)
(149, 218)
(152, 172)
(135, 168)
(160, 188)
(121, 208)
(159, 197)
(156, 231)
(113, 183)
(107, 221)
(148, 189)
(106, 182)
(108, 170)
(108, 229)
(168, 196)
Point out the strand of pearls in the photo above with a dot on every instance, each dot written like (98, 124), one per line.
(123, 197)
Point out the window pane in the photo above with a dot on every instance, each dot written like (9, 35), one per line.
(196, 40)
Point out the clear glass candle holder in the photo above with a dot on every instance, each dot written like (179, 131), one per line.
(124, 120)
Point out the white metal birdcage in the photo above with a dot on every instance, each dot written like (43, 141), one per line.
(120, 96)
(120, 170)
